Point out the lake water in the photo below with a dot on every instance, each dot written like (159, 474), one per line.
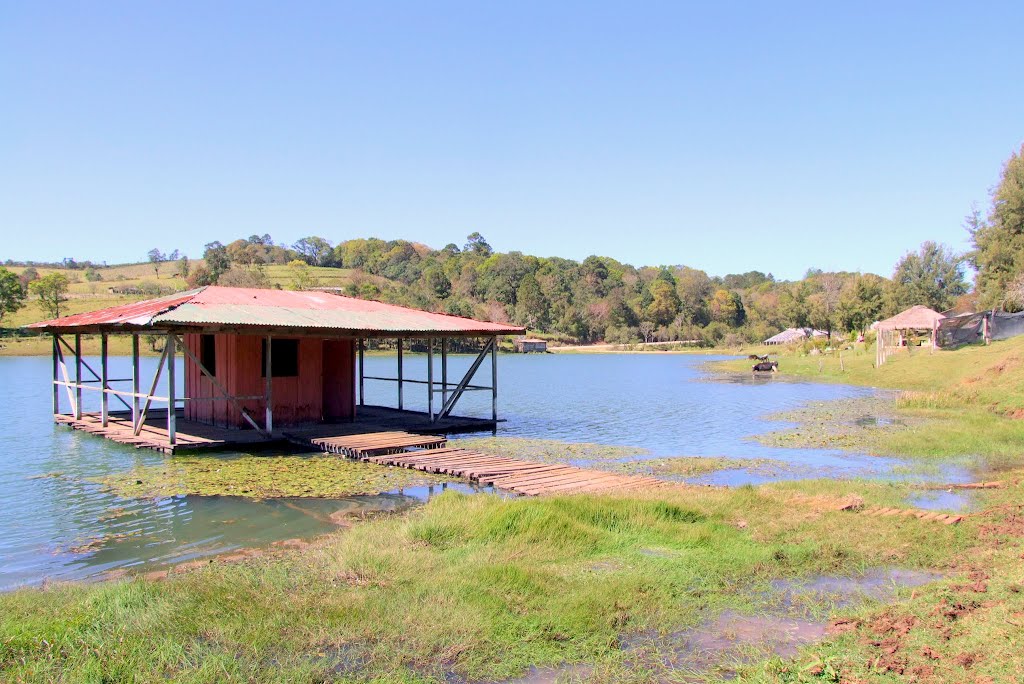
(56, 524)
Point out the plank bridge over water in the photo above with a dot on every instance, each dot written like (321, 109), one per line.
(430, 454)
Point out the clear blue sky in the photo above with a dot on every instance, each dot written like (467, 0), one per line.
(727, 136)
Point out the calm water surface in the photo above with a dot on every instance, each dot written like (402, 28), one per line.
(56, 524)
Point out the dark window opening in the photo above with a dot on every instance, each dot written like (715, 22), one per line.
(208, 353)
(284, 358)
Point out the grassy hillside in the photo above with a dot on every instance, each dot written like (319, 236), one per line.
(125, 275)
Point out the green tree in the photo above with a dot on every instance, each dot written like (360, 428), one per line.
(932, 276)
(12, 294)
(52, 291)
(793, 306)
(199, 276)
(156, 257)
(695, 289)
(823, 305)
(727, 307)
(302, 276)
(476, 244)
(532, 308)
(501, 275)
(998, 253)
(27, 276)
(861, 302)
(255, 277)
(664, 306)
(437, 282)
(315, 250)
(215, 256)
(183, 267)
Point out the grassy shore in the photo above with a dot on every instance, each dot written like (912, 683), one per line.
(474, 588)
(965, 403)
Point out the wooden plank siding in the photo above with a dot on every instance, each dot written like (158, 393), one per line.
(324, 388)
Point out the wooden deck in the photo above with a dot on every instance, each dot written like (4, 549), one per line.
(190, 435)
(374, 442)
(430, 454)
(193, 436)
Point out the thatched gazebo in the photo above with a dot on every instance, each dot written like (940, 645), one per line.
(915, 318)
(893, 332)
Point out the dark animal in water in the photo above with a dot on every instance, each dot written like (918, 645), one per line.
(771, 366)
(755, 357)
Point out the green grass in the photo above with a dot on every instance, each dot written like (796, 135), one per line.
(281, 274)
(957, 404)
(993, 368)
(473, 586)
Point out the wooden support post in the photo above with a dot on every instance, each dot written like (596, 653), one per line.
(470, 374)
(56, 387)
(494, 378)
(104, 377)
(430, 378)
(444, 370)
(362, 373)
(172, 409)
(269, 373)
(152, 392)
(67, 377)
(400, 402)
(78, 376)
(352, 361)
(135, 380)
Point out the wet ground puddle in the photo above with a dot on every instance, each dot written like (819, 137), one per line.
(792, 617)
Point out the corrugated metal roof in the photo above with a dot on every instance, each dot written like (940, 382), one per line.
(127, 315)
(246, 307)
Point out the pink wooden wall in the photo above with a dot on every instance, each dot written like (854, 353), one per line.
(324, 389)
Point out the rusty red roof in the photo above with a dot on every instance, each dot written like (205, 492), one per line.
(237, 307)
(126, 315)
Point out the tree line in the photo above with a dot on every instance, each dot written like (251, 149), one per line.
(603, 299)
(598, 298)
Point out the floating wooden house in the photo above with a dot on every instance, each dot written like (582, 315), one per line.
(259, 361)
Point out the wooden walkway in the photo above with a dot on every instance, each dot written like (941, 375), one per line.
(928, 516)
(429, 454)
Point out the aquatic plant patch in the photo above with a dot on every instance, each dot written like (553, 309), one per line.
(682, 467)
(850, 424)
(262, 477)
